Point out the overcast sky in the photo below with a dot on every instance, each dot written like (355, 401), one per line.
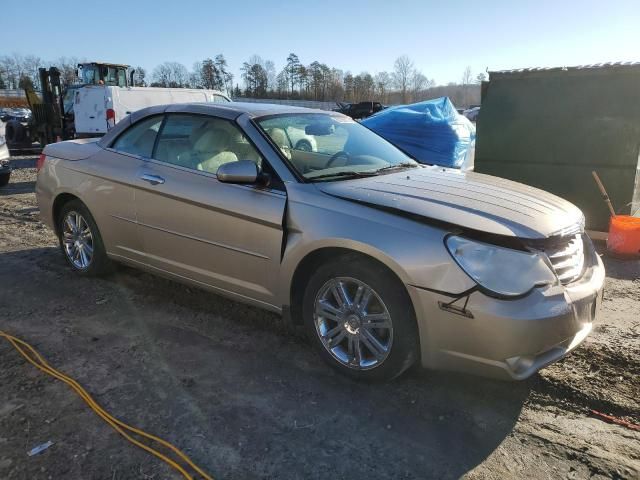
(442, 37)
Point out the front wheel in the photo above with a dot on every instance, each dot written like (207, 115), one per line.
(304, 145)
(361, 319)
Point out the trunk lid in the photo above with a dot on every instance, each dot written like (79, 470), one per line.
(78, 149)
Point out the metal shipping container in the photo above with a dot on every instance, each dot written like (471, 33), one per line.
(550, 128)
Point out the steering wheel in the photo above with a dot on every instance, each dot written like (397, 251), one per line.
(336, 156)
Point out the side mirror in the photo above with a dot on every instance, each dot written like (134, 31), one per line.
(242, 171)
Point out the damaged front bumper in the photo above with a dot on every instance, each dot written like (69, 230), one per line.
(508, 339)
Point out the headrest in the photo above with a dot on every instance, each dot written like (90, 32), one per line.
(279, 137)
(212, 140)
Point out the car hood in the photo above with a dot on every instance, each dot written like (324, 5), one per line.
(466, 199)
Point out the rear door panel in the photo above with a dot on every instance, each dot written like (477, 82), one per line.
(90, 109)
(109, 192)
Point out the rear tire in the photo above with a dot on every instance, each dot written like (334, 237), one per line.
(4, 179)
(80, 240)
(344, 326)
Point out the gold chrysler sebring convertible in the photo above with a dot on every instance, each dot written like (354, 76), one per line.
(385, 261)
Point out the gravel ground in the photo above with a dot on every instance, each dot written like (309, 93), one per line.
(246, 397)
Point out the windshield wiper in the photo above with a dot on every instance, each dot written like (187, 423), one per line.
(396, 166)
(352, 174)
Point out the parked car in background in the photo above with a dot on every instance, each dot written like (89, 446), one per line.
(472, 113)
(299, 140)
(18, 114)
(385, 261)
(5, 167)
(359, 110)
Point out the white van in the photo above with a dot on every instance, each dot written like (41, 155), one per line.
(97, 108)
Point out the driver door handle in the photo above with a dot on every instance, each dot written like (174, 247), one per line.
(152, 179)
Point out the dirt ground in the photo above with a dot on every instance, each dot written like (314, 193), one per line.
(246, 397)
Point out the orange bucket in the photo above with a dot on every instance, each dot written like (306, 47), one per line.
(624, 236)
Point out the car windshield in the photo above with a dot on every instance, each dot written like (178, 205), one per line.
(325, 147)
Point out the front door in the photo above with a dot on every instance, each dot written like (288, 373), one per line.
(225, 236)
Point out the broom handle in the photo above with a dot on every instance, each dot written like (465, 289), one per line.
(604, 193)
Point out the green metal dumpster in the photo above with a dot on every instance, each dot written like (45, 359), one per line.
(550, 128)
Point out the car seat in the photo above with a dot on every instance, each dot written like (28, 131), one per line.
(211, 150)
(279, 137)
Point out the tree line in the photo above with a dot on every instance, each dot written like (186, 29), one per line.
(404, 83)
(320, 82)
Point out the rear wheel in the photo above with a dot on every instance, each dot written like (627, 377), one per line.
(80, 240)
(361, 319)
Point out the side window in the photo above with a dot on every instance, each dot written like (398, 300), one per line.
(202, 143)
(139, 138)
(122, 78)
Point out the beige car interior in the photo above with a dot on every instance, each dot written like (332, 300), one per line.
(306, 161)
(279, 137)
(210, 145)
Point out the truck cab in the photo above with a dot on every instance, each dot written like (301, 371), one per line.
(110, 74)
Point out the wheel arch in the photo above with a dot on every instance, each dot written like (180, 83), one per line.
(316, 257)
(60, 201)
(312, 146)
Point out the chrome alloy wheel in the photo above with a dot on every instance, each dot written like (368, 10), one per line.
(77, 240)
(353, 323)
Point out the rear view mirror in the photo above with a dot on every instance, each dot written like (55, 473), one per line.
(320, 129)
(242, 171)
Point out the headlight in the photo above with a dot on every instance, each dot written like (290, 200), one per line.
(502, 271)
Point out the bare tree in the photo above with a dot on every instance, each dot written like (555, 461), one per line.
(68, 67)
(481, 77)
(270, 69)
(418, 83)
(403, 70)
(12, 68)
(383, 83)
(170, 74)
(467, 76)
(139, 77)
(31, 64)
(467, 79)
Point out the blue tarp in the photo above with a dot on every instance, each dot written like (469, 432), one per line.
(432, 132)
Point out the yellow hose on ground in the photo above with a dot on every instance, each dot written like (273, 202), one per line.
(37, 361)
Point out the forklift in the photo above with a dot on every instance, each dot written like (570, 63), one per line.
(52, 117)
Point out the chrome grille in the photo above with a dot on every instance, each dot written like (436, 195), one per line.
(567, 259)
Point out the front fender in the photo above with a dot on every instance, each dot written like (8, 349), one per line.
(415, 252)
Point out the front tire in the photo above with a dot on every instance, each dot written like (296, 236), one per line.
(16, 135)
(361, 319)
(80, 240)
(304, 145)
(4, 179)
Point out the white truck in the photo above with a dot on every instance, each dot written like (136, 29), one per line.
(103, 95)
